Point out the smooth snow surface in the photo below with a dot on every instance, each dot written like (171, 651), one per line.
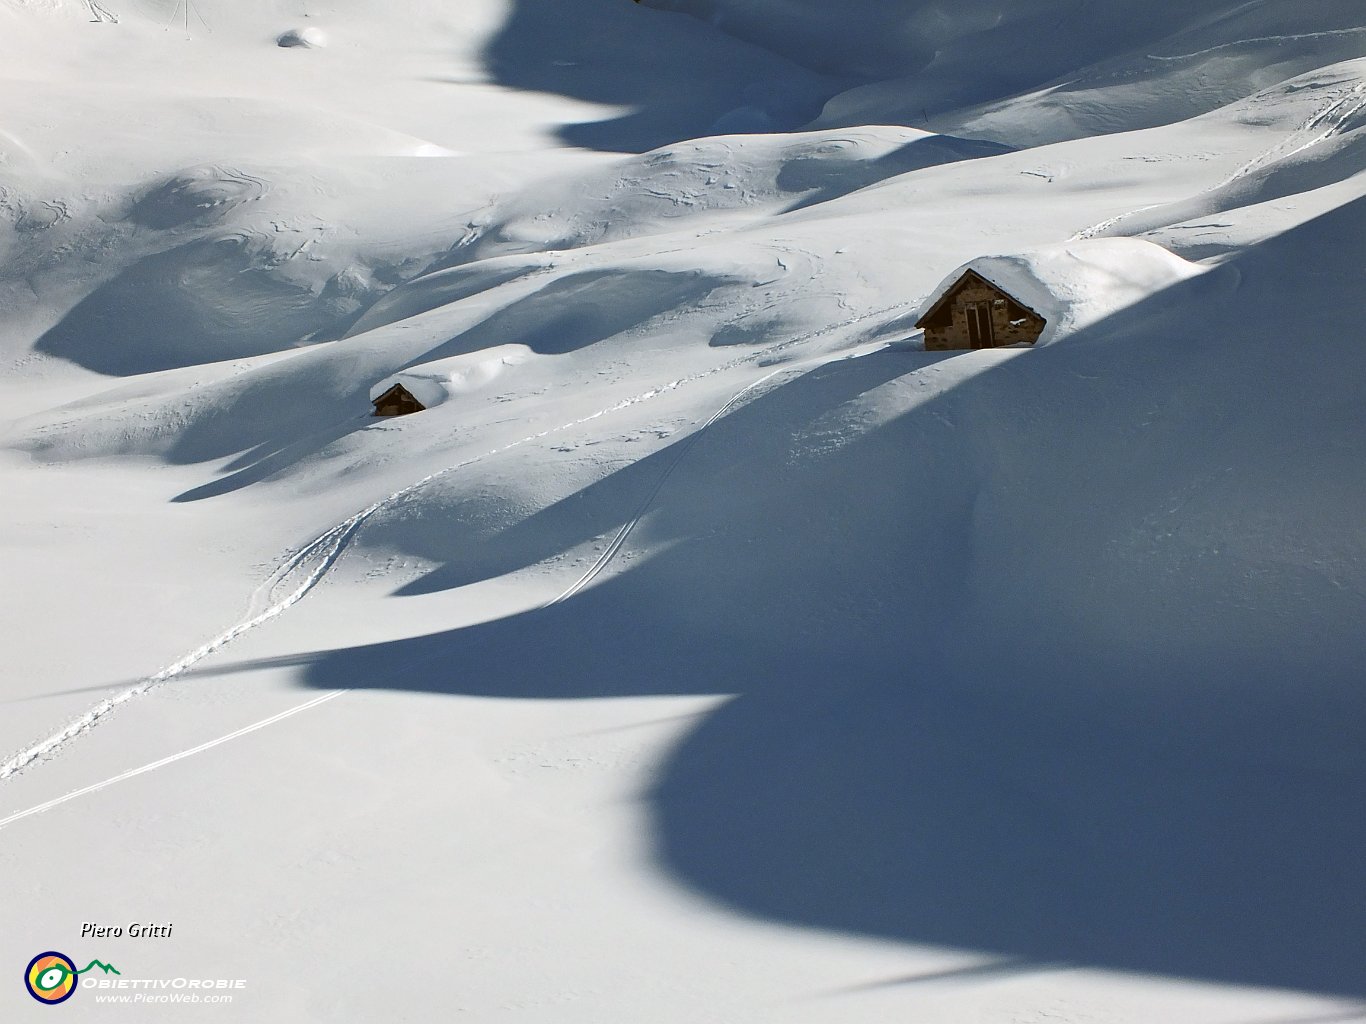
(707, 650)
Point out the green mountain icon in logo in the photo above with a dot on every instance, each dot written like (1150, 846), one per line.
(106, 968)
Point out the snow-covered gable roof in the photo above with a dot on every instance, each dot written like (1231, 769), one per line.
(1075, 283)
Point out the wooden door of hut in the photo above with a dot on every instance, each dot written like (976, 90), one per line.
(979, 324)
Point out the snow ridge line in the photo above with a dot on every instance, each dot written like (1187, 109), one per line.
(326, 549)
(630, 524)
(48, 805)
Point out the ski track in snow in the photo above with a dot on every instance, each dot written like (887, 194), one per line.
(611, 550)
(316, 558)
(1307, 134)
(1334, 115)
(100, 13)
(48, 805)
(1257, 39)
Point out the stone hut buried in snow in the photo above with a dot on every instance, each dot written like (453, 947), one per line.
(1045, 294)
(426, 385)
(397, 401)
(975, 313)
(407, 393)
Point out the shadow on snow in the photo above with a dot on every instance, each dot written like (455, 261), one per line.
(679, 78)
(1057, 664)
(215, 291)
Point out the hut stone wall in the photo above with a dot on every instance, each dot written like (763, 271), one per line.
(1011, 323)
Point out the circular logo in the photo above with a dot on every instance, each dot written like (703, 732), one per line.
(50, 977)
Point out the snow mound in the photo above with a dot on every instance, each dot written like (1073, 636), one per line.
(307, 38)
(1077, 283)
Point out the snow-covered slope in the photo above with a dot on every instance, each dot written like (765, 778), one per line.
(1047, 70)
(707, 649)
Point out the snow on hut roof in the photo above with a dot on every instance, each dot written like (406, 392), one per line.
(1076, 283)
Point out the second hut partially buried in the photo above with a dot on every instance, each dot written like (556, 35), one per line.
(397, 401)
(403, 394)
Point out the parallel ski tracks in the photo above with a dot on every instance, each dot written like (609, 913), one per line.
(299, 572)
(622, 534)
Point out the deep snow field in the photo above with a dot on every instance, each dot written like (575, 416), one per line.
(707, 650)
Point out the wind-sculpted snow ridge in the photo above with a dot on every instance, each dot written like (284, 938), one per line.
(706, 182)
(316, 558)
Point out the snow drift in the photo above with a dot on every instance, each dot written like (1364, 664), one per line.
(1078, 283)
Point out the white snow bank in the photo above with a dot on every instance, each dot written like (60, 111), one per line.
(434, 382)
(1077, 283)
